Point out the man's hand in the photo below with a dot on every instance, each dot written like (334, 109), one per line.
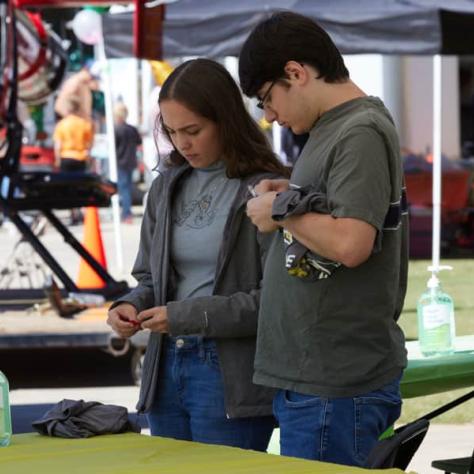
(123, 320)
(155, 319)
(259, 210)
(277, 185)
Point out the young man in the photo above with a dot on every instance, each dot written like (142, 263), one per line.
(331, 343)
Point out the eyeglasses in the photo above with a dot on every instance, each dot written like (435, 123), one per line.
(261, 102)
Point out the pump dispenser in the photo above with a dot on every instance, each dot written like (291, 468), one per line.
(435, 309)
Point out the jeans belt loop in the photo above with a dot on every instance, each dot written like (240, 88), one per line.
(201, 350)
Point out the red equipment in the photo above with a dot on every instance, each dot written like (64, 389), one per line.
(36, 158)
(147, 22)
(41, 59)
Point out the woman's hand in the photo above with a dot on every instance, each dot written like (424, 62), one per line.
(123, 320)
(155, 319)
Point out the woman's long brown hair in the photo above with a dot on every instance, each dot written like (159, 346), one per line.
(207, 88)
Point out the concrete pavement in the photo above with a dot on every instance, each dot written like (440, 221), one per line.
(129, 235)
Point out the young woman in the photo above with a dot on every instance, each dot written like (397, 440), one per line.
(199, 267)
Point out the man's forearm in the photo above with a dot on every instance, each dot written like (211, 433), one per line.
(344, 240)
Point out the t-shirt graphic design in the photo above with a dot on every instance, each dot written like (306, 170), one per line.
(197, 213)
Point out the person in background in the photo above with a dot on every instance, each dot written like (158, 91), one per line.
(331, 345)
(199, 267)
(127, 141)
(78, 86)
(73, 137)
(292, 145)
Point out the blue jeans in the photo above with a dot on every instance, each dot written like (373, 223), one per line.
(189, 403)
(338, 430)
(124, 185)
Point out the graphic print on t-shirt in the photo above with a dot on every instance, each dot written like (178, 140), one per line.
(197, 213)
(200, 211)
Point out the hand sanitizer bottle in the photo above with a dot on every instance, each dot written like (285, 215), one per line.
(436, 327)
(5, 417)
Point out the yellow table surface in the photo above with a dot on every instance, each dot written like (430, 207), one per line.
(136, 454)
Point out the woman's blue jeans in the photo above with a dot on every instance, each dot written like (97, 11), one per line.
(338, 430)
(189, 404)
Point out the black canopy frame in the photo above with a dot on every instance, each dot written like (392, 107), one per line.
(43, 192)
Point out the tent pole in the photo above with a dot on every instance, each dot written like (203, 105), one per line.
(437, 114)
(112, 153)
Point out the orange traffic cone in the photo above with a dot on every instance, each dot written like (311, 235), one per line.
(92, 241)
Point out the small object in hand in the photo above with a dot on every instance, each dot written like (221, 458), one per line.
(252, 191)
(132, 321)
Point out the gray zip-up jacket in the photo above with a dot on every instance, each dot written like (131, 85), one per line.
(229, 315)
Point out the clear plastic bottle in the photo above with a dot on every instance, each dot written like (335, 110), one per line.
(436, 326)
(5, 416)
(87, 299)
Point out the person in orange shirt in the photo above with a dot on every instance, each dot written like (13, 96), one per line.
(73, 138)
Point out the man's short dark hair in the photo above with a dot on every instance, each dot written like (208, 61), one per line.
(283, 37)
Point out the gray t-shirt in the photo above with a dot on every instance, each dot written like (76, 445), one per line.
(339, 337)
(200, 211)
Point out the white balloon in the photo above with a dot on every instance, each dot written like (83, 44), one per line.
(87, 26)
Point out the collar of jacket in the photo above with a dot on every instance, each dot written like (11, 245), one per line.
(173, 174)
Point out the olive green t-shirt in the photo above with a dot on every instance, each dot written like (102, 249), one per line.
(339, 336)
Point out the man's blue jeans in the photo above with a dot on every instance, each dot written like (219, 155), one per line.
(189, 404)
(338, 430)
(125, 188)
